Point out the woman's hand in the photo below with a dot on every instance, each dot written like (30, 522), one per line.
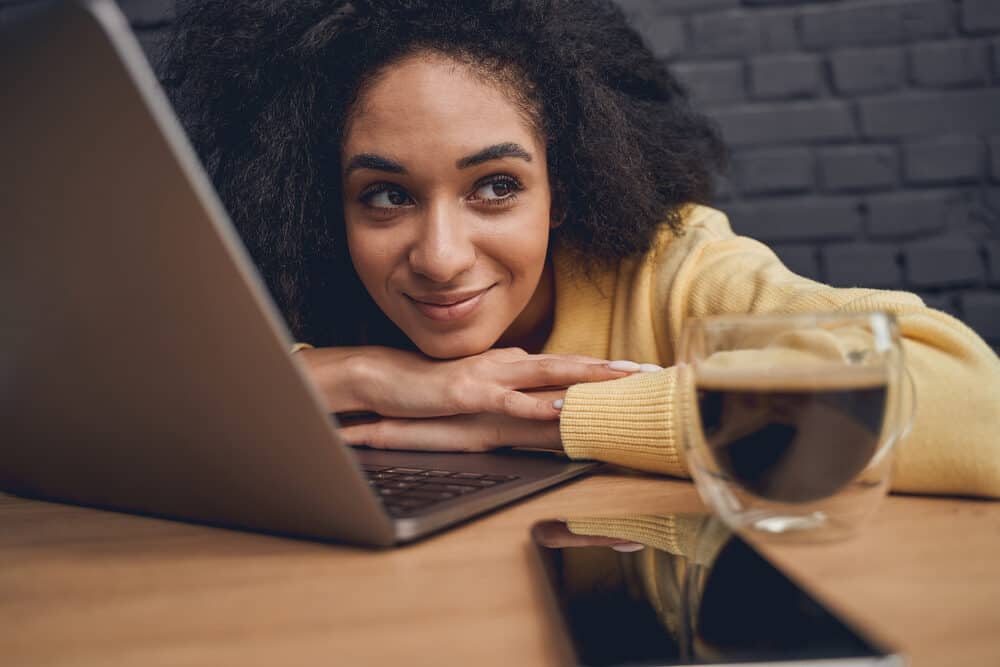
(396, 383)
(466, 433)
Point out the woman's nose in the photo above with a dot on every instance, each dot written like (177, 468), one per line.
(445, 248)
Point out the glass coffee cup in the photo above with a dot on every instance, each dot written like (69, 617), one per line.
(796, 418)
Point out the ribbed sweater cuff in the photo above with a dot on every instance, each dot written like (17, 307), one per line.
(636, 421)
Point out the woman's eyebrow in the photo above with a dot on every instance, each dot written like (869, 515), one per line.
(494, 152)
(372, 161)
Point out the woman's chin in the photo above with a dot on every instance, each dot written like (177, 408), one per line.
(453, 346)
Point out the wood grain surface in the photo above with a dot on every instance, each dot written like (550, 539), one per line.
(85, 587)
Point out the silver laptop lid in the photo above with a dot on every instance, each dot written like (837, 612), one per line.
(142, 365)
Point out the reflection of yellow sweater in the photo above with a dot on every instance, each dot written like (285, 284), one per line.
(636, 312)
(667, 574)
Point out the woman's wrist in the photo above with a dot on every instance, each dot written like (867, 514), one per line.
(343, 375)
(361, 368)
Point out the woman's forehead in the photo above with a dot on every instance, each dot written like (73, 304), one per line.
(432, 99)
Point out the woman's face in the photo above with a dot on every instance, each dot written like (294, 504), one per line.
(447, 204)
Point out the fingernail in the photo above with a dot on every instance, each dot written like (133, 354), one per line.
(628, 548)
(557, 404)
(649, 368)
(624, 366)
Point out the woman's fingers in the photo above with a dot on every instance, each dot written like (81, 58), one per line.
(524, 406)
(555, 372)
(556, 535)
(467, 433)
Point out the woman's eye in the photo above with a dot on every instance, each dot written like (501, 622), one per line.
(386, 197)
(497, 190)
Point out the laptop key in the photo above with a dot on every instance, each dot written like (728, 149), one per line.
(398, 485)
(405, 490)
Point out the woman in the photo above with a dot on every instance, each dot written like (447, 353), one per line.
(467, 208)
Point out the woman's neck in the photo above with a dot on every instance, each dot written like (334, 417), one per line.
(531, 329)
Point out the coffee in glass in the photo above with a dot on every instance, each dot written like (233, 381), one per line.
(795, 417)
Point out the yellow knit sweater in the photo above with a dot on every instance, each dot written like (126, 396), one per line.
(637, 310)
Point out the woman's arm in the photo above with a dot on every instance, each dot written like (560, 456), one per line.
(406, 385)
(953, 447)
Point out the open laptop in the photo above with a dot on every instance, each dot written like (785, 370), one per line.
(143, 366)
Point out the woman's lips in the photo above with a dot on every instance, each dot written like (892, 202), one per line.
(448, 307)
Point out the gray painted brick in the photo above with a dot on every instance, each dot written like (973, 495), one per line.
(833, 26)
(800, 259)
(868, 70)
(786, 76)
(772, 171)
(154, 44)
(992, 249)
(943, 262)
(680, 6)
(723, 190)
(796, 122)
(712, 82)
(664, 35)
(149, 12)
(943, 160)
(965, 111)
(635, 8)
(140, 13)
(980, 15)
(874, 23)
(862, 265)
(926, 19)
(981, 311)
(797, 218)
(940, 301)
(996, 59)
(731, 33)
(995, 158)
(950, 64)
(16, 13)
(987, 210)
(908, 214)
(858, 168)
(778, 30)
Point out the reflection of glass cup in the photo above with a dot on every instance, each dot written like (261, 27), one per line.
(796, 418)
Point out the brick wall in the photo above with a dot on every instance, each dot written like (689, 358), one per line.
(865, 133)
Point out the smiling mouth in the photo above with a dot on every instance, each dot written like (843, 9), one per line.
(448, 307)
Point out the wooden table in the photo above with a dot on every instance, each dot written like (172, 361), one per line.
(84, 587)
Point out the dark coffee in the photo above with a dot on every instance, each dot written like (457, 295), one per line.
(789, 439)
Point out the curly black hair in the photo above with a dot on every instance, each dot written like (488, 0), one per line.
(266, 87)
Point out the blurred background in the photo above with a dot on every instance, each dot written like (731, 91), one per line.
(865, 134)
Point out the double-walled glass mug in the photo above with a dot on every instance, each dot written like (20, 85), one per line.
(796, 418)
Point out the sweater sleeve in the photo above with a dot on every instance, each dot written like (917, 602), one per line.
(954, 447)
(634, 422)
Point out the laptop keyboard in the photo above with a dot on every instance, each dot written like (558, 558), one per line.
(406, 491)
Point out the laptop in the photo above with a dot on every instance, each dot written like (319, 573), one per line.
(143, 366)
